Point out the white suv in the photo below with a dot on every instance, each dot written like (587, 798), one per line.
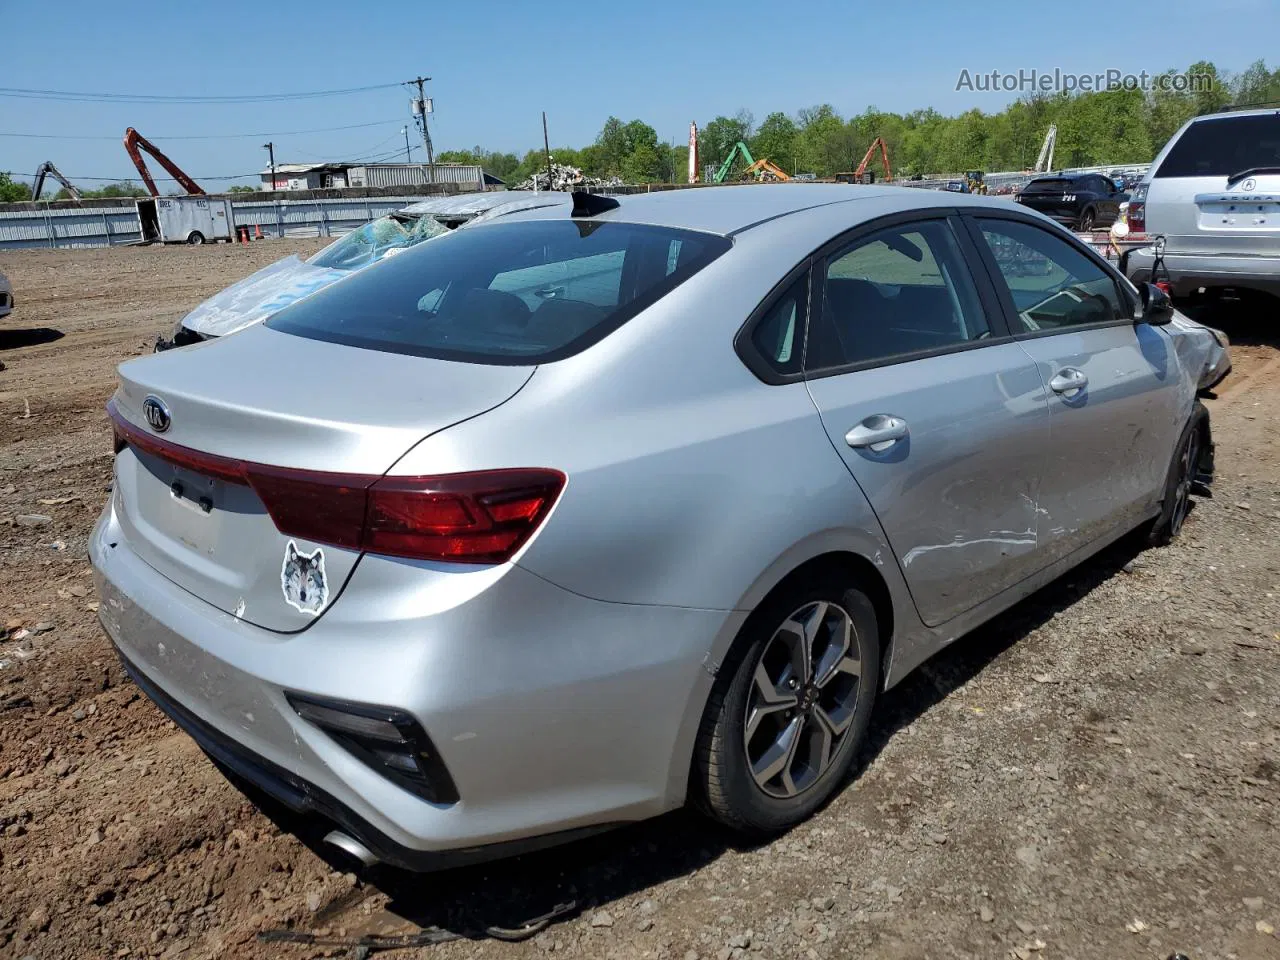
(1213, 193)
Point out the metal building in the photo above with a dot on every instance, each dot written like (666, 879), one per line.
(323, 176)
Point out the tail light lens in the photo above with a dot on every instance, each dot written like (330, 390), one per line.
(481, 517)
(1137, 215)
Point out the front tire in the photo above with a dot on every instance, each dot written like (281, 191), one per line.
(1087, 220)
(195, 238)
(1184, 471)
(790, 707)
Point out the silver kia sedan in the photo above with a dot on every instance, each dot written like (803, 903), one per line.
(571, 518)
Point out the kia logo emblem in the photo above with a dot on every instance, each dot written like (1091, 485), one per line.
(157, 414)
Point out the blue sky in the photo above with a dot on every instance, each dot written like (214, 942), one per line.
(496, 65)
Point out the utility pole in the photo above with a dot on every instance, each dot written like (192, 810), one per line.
(546, 146)
(271, 152)
(420, 110)
(405, 131)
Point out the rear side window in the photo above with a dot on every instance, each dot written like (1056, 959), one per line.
(778, 337)
(1225, 146)
(897, 292)
(516, 293)
(1053, 285)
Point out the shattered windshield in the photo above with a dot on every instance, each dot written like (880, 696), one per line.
(376, 239)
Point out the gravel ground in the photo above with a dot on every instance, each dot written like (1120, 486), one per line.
(1095, 774)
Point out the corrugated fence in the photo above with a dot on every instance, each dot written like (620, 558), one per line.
(109, 224)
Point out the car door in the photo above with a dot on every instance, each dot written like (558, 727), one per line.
(935, 410)
(1112, 383)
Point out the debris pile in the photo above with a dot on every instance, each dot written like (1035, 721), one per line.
(565, 177)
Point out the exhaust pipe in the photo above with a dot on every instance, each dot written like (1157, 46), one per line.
(351, 847)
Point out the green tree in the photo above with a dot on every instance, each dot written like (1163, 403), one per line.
(717, 139)
(12, 192)
(776, 140)
(238, 188)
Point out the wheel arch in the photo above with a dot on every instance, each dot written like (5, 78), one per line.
(884, 587)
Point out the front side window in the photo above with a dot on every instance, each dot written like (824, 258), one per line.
(897, 292)
(1052, 283)
(516, 292)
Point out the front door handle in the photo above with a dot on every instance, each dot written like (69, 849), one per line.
(1068, 381)
(877, 433)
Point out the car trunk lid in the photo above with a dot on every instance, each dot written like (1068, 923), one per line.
(236, 408)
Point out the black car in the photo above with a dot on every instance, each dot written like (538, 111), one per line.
(1081, 201)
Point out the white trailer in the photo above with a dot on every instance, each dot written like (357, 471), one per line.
(193, 220)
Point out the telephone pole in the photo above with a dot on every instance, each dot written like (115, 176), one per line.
(420, 110)
(270, 147)
(405, 131)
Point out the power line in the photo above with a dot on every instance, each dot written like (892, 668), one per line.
(232, 176)
(85, 96)
(203, 136)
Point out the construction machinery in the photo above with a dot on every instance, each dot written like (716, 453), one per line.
(862, 175)
(133, 140)
(47, 169)
(762, 169)
(976, 181)
(1044, 163)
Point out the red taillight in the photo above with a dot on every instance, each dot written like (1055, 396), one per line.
(470, 517)
(1137, 217)
(1164, 285)
(482, 517)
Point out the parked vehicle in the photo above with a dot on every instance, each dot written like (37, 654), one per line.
(1082, 201)
(565, 519)
(1213, 194)
(286, 281)
(6, 296)
(190, 220)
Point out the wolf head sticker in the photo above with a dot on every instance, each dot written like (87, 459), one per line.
(303, 580)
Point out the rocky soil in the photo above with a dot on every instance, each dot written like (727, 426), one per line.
(1095, 774)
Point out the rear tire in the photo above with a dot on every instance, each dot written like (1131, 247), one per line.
(195, 238)
(781, 728)
(1188, 458)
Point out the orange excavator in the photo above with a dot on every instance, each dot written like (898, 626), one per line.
(858, 176)
(133, 140)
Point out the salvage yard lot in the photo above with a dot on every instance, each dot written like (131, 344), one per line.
(1096, 774)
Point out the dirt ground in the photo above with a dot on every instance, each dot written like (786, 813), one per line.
(1096, 774)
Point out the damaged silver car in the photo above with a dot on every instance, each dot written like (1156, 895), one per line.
(566, 519)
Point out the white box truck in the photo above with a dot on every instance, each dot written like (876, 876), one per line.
(193, 220)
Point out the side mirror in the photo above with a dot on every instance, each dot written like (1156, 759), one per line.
(1157, 307)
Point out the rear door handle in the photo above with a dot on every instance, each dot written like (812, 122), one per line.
(1068, 381)
(877, 433)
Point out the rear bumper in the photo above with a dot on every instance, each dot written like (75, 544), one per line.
(1189, 272)
(553, 714)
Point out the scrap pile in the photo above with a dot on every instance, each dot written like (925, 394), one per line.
(565, 177)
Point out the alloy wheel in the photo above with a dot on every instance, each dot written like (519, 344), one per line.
(802, 699)
(1188, 464)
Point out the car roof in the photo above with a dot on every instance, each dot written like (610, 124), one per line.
(469, 203)
(734, 209)
(1228, 114)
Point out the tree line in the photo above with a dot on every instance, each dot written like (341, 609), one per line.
(1094, 128)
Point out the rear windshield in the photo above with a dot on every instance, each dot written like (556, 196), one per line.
(1046, 186)
(507, 293)
(1226, 146)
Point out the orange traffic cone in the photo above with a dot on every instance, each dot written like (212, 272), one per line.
(257, 231)
(244, 235)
